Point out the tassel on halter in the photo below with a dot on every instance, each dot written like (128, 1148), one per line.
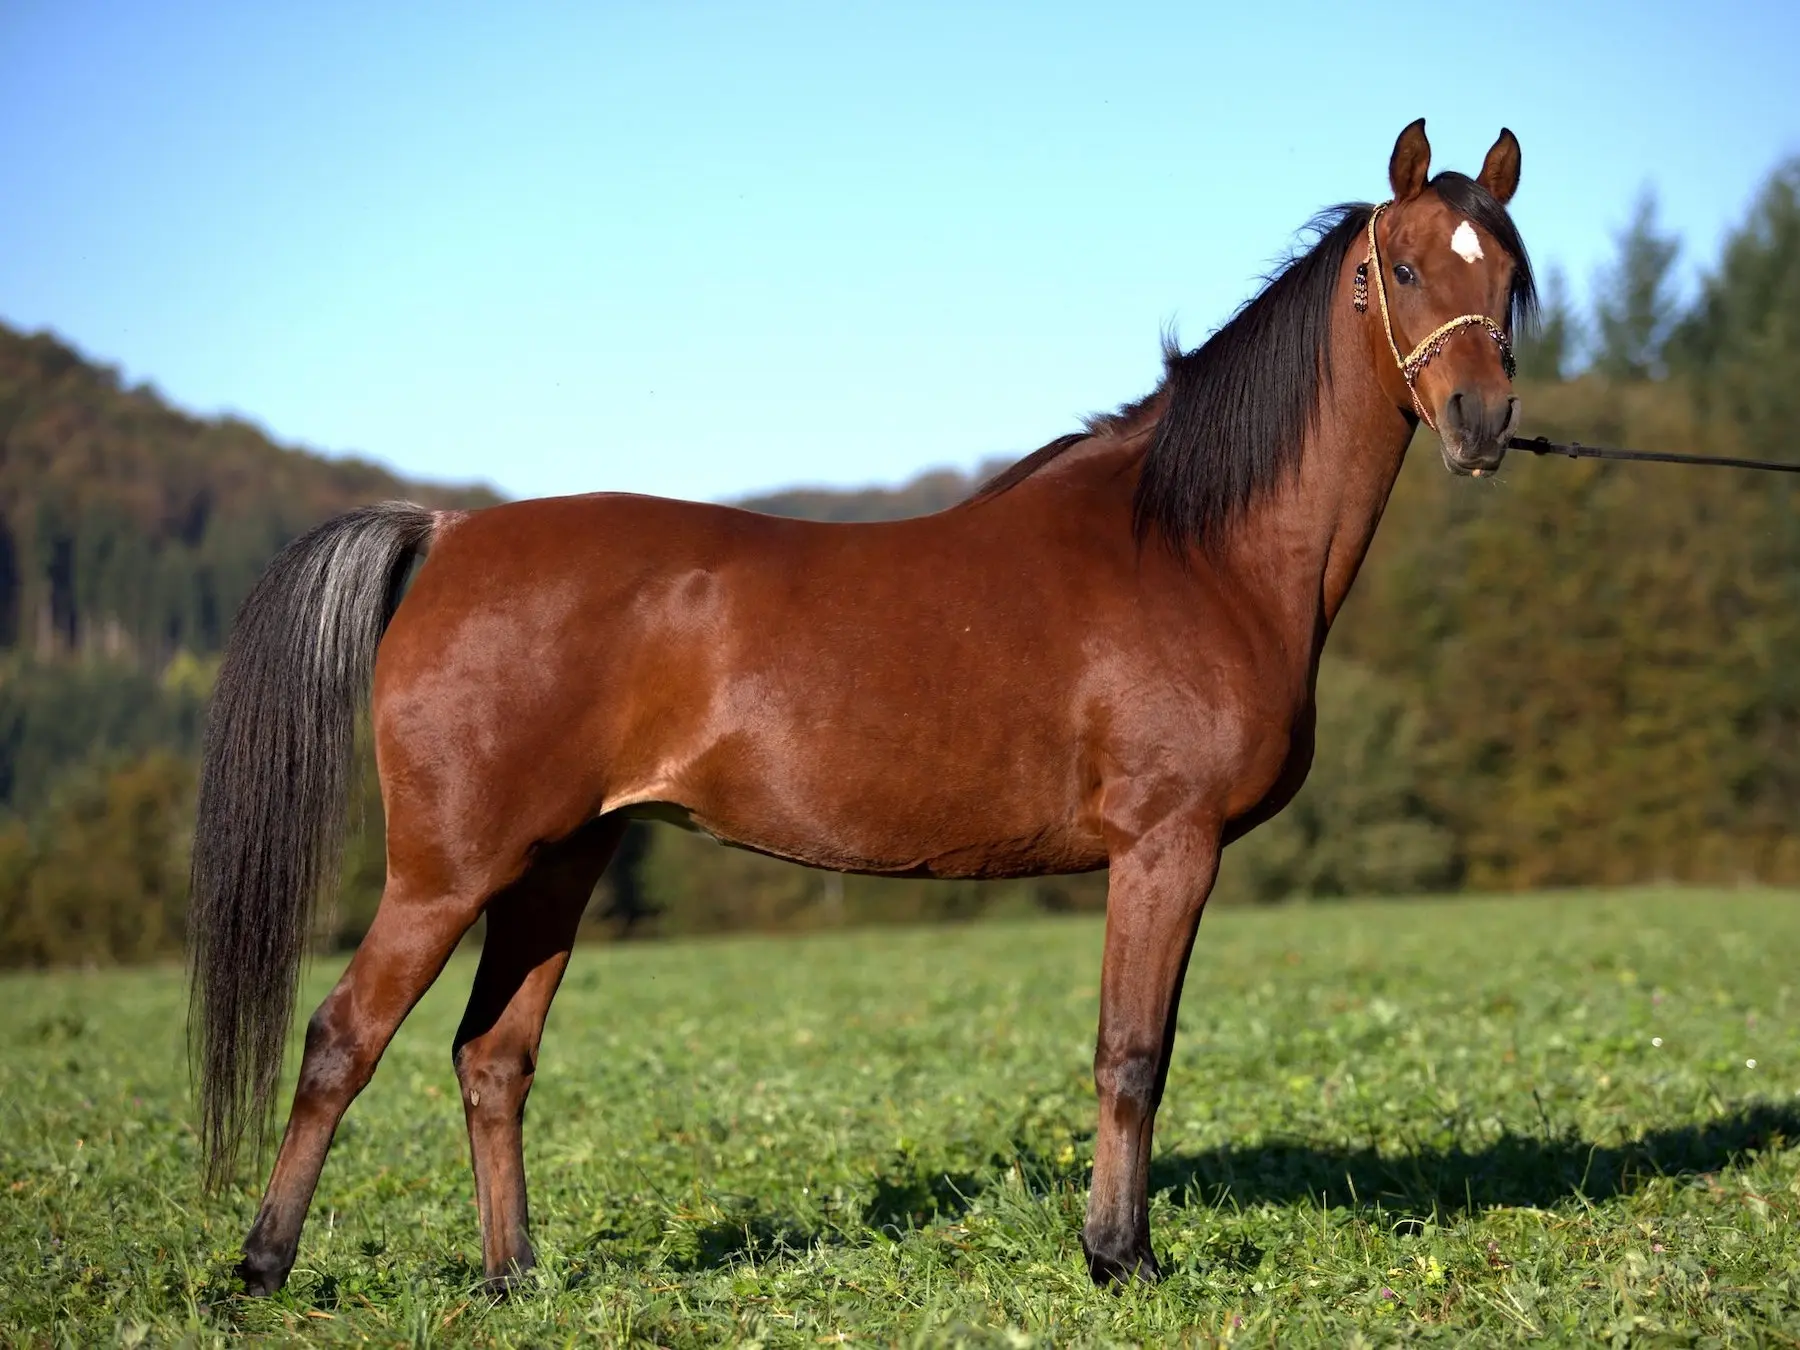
(1413, 364)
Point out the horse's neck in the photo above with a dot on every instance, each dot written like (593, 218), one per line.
(1297, 550)
(1304, 543)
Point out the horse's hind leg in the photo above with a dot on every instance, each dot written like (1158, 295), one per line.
(412, 936)
(530, 929)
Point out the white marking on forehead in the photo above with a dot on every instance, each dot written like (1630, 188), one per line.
(1465, 244)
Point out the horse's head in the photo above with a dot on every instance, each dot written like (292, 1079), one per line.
(1444, 283)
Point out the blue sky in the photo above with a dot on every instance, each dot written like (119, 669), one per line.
(704, 249)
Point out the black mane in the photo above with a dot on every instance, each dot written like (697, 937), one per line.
(1236, 409)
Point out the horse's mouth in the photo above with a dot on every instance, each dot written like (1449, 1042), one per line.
(1480, 465)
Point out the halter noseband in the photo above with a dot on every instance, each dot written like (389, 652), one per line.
(1412, 365)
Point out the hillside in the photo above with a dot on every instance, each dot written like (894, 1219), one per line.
(131, 529)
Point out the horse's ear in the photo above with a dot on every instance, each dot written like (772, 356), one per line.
(1410, 162)
(1500, 170)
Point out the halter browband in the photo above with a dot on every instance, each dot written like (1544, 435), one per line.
(1413, 364)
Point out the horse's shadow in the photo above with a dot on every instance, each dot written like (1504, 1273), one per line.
(1516, 1170)
(1541, 1171)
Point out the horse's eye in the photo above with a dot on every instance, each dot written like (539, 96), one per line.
(1405, 275)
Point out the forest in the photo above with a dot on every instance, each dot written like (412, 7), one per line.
(1575, 674)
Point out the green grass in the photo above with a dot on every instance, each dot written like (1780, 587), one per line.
(1441, 1121)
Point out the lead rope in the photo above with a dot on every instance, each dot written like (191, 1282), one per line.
(1413, 365)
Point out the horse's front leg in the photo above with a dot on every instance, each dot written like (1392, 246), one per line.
(1157, 888)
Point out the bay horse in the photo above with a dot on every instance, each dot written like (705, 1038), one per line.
(1105, 658)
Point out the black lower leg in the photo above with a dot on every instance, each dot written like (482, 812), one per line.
(1116, 1236)
(333, 1071)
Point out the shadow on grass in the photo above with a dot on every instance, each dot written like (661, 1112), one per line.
(1540, 1172)
(906, 1195)
(913, 1198)
(748, 1236)
(1516, 1170)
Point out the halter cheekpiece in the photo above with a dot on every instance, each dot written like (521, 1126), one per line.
(1413, 364)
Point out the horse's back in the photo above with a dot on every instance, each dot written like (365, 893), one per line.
(947, 694)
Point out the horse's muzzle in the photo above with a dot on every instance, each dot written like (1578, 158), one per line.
(1475, 429)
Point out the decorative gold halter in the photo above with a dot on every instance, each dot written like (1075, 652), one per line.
(1412, 365)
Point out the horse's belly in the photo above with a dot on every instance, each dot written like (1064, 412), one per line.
(891, 820)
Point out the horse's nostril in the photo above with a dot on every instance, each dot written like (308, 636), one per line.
(1453, 411)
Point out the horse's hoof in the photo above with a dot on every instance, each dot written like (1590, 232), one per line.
(260, 1281)
(1116, 1266)
(516, 1279)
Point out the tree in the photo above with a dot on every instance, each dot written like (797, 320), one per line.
(101, 876)
(1741, 344)
(1635, 306)
(1548, 354)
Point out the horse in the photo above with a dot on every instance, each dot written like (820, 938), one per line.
(1105, 658)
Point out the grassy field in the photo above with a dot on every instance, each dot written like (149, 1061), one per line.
(1573, 1119)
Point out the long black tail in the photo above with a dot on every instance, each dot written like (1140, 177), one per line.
(273, 784)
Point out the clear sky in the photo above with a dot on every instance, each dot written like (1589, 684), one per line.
(701, 249)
